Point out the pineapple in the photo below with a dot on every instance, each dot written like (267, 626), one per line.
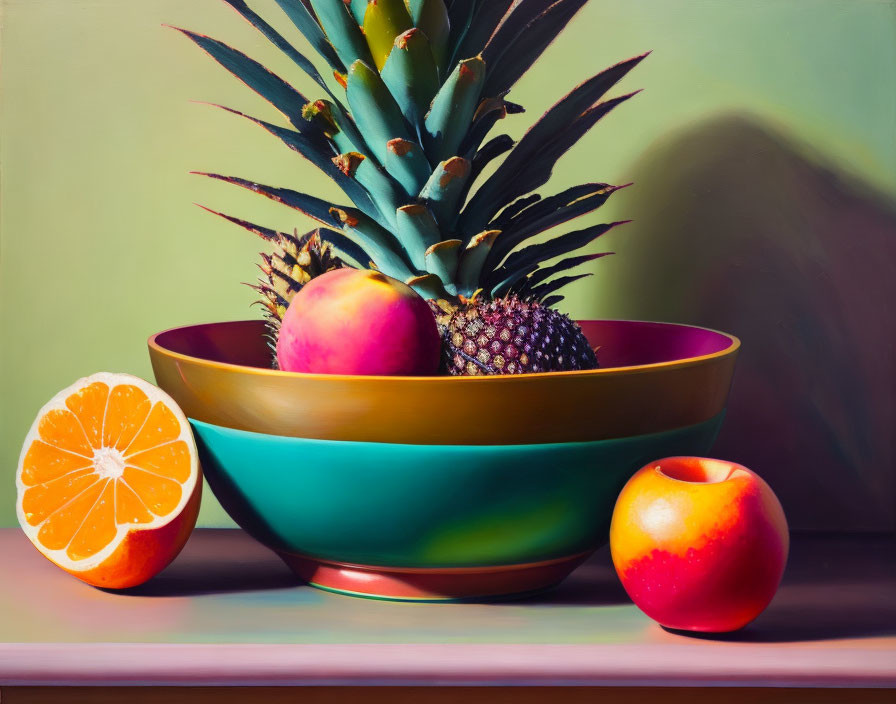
(418, 86)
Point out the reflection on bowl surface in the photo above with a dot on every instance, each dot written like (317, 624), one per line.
(655, 377)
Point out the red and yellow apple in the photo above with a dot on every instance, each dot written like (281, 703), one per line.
(699, 544)
(358, 321)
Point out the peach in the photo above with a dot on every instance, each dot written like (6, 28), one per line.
(699, 544)
(357, 321)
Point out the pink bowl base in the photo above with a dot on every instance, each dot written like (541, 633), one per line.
(447, 584)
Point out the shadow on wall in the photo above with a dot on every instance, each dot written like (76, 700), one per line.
(738, 229)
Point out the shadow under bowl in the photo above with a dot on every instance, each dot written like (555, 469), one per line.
(654, 377)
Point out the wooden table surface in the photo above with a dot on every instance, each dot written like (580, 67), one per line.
(227, 612)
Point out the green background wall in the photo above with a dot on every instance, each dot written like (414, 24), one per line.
(101, 245)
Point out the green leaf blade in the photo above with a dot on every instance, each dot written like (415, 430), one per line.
(375, 110)
(519, 53)
(530, 163)
(305, 22)
(358, 8)
(549, 213)
(381, 244)
(533, 255)
(441, 259)
(319, 153)
(488, 15)
(431, 17)
(469, 272)
(345, 246)
(264, 82)
(385, 193)
(539, 292)
(406, 162)
(452, 110)
(311, 206)
(444, 189)
(540, 274)
(383, 21)
(411, 75)
(342, 31)
(417, 230)
(277, 40)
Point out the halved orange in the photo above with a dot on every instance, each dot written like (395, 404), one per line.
(109, 481)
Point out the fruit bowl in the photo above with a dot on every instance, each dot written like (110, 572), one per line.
(440, 488)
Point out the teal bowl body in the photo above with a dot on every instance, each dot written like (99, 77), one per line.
(429, 506)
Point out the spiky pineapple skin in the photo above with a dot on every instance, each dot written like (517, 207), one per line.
(512, 336)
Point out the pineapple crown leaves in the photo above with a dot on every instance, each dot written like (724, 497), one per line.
(423, 82)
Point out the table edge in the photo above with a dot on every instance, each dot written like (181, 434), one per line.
(197, 664)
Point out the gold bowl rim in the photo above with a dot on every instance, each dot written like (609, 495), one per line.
(732, 348)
